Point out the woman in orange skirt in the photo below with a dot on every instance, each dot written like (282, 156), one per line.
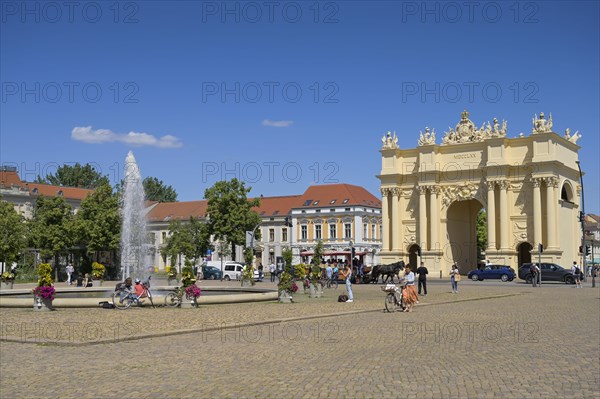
(409, 293)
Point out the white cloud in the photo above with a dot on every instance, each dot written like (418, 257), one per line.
(99, 136)
(268, 122)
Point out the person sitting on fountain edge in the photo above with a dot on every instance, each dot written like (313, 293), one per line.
(126, 285)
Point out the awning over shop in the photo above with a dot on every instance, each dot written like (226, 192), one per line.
(333, 253)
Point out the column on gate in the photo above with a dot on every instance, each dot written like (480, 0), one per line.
(385, 240)
(551, 201)
(537, 211)
(504, 217)
(491, 214)
(422, 217)
(396, 220)
(434, 219)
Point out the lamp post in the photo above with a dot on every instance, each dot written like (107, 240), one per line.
(582, 217)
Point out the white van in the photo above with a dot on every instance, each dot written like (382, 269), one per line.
(231, 270)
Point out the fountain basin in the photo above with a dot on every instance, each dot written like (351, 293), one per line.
(90, 297)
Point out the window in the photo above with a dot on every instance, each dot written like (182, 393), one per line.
(332, 202)
(284, 234)
(372, 231)
(316, 203)
(318, 234)
(380, 231)
(332, 231)
(271, 235)
(365, 231)
(332, 210)
(164, 236)
(345, 201)
(318, 211)
(347, 230)
(307, 202)
(303, 232)
(347, 209)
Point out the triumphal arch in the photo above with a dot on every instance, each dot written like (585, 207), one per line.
(527, 184)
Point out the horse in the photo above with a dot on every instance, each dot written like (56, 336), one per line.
(387, 271)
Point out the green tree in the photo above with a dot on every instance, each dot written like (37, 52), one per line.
(286, 253)
(52, 228)
(12, 234)
(230, 212)
(199, 235)
(156, 190)
(98, 222)
(75, 176)
(177, 243)
(481, 233)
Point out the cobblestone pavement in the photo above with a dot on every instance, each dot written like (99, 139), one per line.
(519, 342)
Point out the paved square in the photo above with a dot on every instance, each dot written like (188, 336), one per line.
(491, 340)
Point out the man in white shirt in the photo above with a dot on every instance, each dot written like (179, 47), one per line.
(69, 269)
(272, 271)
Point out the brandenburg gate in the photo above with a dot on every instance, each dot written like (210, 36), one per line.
(528, 186)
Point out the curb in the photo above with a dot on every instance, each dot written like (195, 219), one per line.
(249, 324)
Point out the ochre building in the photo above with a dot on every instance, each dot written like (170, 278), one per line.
(528, 185)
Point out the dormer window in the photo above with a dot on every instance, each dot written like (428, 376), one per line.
(60, 193)
(307, 202)
(35, 190)
(315, 203)
(332, 202)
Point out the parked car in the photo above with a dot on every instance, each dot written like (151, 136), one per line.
(211, 273)
(550, 272)
(231, 270)
(502, 272)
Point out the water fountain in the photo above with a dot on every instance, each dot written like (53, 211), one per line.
(134, 245)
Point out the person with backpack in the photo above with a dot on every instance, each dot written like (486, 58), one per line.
(576, 274)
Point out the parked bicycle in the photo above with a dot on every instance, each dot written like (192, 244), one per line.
(124, 298)
(393, 299)
(175, 297)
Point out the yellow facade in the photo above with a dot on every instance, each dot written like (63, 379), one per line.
(528, 186)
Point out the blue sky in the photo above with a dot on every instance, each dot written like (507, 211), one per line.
(284, 95)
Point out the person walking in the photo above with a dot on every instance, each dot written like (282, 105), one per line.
(422, 272)
(272, 271)
(454, 278)
(348, 271)
(69, 271)
(329, 273)
(409, 294)
(260, 272)
(576, 274)
(336, 274)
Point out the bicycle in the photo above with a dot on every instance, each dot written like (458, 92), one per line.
(393, 299)
(123, 298)
(175, 297)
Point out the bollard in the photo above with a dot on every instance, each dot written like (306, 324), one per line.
(440, 274)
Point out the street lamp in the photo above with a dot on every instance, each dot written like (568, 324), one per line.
(583, 251)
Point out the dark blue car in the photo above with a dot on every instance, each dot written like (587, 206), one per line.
(501, 272)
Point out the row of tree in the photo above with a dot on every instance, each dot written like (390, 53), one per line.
(55, 230)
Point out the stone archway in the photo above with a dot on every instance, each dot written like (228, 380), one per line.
(461, 223)
(524, 250)
(413, 257)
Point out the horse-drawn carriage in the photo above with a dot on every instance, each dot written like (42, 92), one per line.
(386, 272)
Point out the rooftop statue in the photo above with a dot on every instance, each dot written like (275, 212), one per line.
(389, 141)
(541, 125)
(465, 131)
(427, 138)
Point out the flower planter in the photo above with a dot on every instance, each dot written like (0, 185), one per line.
(246, 283)
(285, 297)
(8, 284)
(188, 303)
(42, 304)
